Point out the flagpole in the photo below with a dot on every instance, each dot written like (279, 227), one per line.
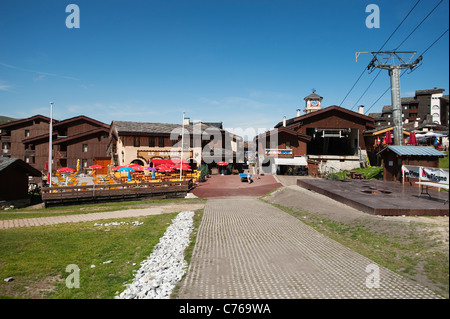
(50, 148)
(182, 149)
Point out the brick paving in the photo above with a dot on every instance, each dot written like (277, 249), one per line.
(249, 249)
(76, 218)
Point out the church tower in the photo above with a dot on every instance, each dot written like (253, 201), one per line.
(313, 102)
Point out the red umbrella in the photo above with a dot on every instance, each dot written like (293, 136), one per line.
(388, 137)
(116, 168)
(412, 138)
(222, 163)
(96, 166)
(66, 170)
(137, 168)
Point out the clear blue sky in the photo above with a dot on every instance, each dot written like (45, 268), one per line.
(245, 63)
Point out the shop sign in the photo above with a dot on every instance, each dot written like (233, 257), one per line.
(162, 153)
(279, 153)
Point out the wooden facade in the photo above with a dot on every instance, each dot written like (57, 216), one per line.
(14, 175)
(14, 133)
(78, 138)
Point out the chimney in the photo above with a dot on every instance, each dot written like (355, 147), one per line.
(187, 121)
(284, 121)
(361, 109)
(298, 112)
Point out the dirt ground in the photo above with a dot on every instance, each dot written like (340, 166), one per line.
(435, 229)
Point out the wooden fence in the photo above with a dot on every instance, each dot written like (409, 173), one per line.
(88, 193)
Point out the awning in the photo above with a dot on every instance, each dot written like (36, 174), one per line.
(296, 161)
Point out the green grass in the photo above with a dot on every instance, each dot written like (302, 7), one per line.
(37, 257)
(375, 172)
(443, 161)
(90, 208)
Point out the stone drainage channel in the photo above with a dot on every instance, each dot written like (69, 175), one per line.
(165, 267)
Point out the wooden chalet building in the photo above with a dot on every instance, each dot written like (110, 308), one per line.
(325, 139)
(75, 139)
(13, 135)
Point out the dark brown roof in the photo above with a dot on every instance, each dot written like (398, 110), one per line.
(326, 110)
(81, 118)
(8, 163)
(18, 122)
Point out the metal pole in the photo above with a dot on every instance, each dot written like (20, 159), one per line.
(394, 73)
(50, 148)
(182, 148)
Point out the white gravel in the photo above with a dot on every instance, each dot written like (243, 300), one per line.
(165, 267)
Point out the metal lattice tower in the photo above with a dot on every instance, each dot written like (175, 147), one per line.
(394, 62)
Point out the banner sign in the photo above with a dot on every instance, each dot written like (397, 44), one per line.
(279, 153)
(437, 175)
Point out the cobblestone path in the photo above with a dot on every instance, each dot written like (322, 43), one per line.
(249, 249)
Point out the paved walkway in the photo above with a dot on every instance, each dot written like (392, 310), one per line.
(75, 218)
(249, 249)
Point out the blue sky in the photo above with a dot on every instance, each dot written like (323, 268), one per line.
(245, 63)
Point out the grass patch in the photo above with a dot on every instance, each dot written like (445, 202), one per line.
(443, 161)
(375, 172)
(91, 208)
(37, 257)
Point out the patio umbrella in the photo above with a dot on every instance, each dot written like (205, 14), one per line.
(388, 137)
(116, 168)
(412, 138)
(78, 165)
(66, 170)
(126, 169)
(96, 166)
(222, 163)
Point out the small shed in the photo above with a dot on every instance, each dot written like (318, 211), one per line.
(14, 178)
(394, 156)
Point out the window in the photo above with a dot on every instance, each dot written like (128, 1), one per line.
(137, 141)
(84, 163)
(161, 141)
(288, 144)
(85, 148)
(27, 133)
(151, 141)
(27, 159)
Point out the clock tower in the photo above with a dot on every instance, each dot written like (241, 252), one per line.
(313, 102)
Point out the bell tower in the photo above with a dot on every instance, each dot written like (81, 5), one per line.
(313, 102)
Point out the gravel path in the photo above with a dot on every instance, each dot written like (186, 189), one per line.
(249, 249)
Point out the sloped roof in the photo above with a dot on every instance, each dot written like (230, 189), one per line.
(82, 118)
(313, 96)
(6, 163)
(18, 122)
(413, 150)
(124, 127)
(325, 110)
